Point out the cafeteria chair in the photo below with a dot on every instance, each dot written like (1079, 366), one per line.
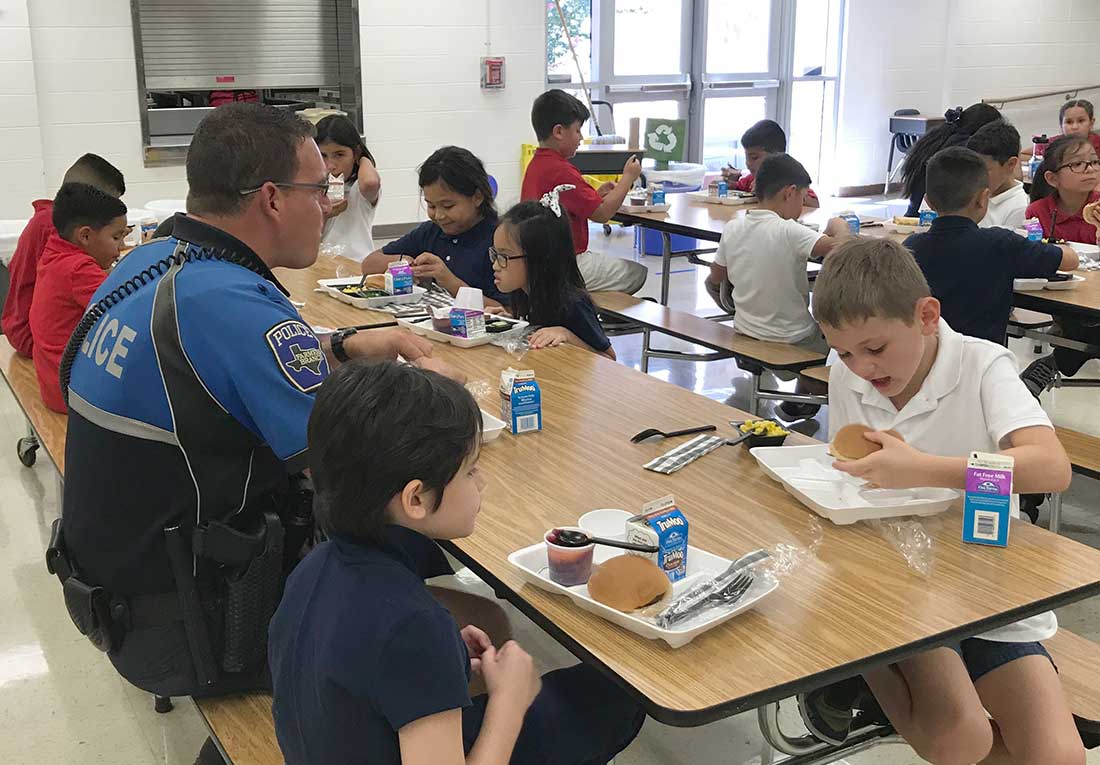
(902, 142)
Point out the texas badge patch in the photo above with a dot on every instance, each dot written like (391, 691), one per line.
(298, 353)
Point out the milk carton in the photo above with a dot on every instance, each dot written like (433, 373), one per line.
(927, 216)
(661, 523)
(399, 278)
(468, 323)
(520, 400)
(988, 502)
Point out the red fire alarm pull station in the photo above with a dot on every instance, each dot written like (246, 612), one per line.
(492, 72)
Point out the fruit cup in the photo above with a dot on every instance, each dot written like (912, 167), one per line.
(569, 565)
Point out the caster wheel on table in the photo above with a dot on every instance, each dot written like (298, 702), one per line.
(27, 449)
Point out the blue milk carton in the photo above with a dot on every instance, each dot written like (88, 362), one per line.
(520, 400)
(399, 278)
(988, 503)
(927, 216)
(661, 523)
(467, 323)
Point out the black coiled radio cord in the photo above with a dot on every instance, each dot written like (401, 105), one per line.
(182, 254)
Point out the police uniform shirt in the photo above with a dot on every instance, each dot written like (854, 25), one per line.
(359, 648)
(146, 448)
(465, 254)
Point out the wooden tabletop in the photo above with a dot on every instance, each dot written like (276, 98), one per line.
(856, 604)
(710, 334)
(49, 425)
(322, 309)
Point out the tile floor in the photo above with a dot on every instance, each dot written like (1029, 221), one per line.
(61, 702)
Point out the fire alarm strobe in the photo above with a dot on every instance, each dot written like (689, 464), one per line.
(492, 72)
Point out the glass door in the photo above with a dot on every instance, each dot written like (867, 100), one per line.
(645, 59)
(737, 72)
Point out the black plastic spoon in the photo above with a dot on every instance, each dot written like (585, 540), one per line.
(651, 432)
(575, 538)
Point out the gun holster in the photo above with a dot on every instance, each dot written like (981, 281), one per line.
(98, 617)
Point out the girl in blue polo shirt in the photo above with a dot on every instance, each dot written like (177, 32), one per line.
(349, 222)
(366, 665)
(452, 246)
(533, 258)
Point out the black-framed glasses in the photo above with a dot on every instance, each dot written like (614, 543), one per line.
(498, 258)
(320, 188)
(1081, 166)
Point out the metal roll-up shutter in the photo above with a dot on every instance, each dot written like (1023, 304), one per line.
(236, 44)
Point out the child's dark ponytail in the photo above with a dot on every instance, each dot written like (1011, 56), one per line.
(1053, 157)
(554, 281)
(957, 121)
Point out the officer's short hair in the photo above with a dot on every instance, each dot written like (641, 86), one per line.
(95, 170)
(81, 204)
(376, 426)
(241, 146)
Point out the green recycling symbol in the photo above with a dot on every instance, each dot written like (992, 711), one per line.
(655, 141)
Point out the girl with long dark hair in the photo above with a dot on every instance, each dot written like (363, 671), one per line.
(349, 222)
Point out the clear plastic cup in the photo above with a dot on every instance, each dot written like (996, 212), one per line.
(470, 297)
(569, 566)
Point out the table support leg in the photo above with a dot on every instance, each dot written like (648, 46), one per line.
(666, 265)
(645, 351)
(807, 750)
(1056, 511)
(754, 389)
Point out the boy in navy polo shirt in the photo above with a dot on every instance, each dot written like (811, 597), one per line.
(971, 269)
(366, 665)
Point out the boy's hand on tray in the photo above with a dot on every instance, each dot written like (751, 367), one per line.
(896, 466)
(549, 337)
(510, 672)
(477, 643)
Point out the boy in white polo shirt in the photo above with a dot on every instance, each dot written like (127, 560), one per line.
(948, 395)
(998, 143)
(763, 255)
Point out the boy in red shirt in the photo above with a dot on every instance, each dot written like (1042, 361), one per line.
(760, 141)
(557, 118)
(90, 227)
(91, 169)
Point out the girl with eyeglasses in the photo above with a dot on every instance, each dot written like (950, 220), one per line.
(349, 221)
(534, 262)
(1065, 182)
(1063, 187)
(450, 248)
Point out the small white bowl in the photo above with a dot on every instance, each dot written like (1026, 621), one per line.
(607, 522)
(491, 427)
(1028, 285)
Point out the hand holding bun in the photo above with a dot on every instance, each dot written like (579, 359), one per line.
(850, 443)
(628, 582)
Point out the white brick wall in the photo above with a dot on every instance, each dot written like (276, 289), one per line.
(20, 141)
(956, 52)
(67, 86)
(421, 75)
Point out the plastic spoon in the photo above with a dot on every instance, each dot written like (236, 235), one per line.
(575, 538)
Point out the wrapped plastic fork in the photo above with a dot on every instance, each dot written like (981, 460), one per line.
(724, 589)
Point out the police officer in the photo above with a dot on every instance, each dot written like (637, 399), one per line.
(190, 383)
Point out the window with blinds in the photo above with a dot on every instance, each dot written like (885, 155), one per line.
(237, 44)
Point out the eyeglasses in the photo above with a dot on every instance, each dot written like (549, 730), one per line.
(1081, 166)
(498, 258)
(320, 188)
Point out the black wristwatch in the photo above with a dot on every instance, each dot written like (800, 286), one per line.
(336, 342)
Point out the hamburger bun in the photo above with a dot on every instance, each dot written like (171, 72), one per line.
(375, 282)
(850, 444)
(628, 582)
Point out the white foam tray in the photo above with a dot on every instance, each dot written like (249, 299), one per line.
(628, 208)
(424, 327)
(332, 288)
(808, 474)
(1034, 285)
(532, 564)
(732, 200)
(491, 427)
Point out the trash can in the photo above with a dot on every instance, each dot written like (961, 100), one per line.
(680, 177)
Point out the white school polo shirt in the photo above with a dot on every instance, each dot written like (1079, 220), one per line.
(971, 400)
(1007, 208)
(352, 227)
(765, 257)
